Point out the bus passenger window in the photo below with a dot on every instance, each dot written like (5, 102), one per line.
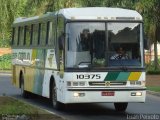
(15, 36)
(35, 35)
(43, 34)
(51, 34)
(27, 35)
(21, 36)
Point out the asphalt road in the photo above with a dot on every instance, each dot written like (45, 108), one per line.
(99, 111)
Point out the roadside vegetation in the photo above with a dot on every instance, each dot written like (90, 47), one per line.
(9, 106)
(151, 68)
(12, 9)
(154, 88)
(5, 62)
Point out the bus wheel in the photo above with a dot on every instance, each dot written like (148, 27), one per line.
(57, 105)
(24, 93)
(120, 106)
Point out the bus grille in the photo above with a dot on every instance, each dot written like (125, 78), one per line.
(106, 83)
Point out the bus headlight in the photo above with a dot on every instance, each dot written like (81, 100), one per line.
(76, 94)
(136, 93)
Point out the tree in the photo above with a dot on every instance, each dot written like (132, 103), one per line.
(9, 10)
(150, 9)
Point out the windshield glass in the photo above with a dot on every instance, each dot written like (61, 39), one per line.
(100, 44)
(124, 44)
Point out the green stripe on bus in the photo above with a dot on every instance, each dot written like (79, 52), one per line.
(123, 76)
(111, 76)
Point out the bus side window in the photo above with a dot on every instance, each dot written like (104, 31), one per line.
(35, 35)
(15, 39)
(27, 35)
(51, 35)
(21, 39)
(43, 33)
(39, 30)
(47, 34)
(60, 33)
(19, 28)
(31, 42)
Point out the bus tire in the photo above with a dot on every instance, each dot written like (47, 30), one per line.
(24, 93)
(56, 104)
(120, 106)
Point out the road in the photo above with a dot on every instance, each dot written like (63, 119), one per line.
(98, 111)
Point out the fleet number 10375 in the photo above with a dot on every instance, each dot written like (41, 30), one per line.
(88, 76)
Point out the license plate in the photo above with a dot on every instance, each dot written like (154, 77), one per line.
(107, 93)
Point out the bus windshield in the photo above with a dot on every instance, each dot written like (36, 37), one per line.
(100, 44)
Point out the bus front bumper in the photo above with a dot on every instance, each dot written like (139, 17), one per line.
(100, 95)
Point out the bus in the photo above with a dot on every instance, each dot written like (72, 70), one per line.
(71, 56)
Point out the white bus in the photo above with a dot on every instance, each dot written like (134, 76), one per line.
(81, 55)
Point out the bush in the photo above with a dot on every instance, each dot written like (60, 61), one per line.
(156, 72)
(5, 62)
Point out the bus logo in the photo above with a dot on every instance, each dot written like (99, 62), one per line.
(107, 83)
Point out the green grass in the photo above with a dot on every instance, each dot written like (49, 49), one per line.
(5, 62)
(15, 107)
(154, 88)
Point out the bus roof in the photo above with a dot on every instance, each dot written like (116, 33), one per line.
(88, 13)
(94, 13)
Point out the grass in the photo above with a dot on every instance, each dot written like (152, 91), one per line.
(9, 106)
(154, 88)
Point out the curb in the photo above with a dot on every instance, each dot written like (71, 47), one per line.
(1, 71)
(31, 104)
(153, 93)
(5, 74)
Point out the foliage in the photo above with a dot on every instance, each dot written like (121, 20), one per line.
(150, 10)
(11, 9)
(151, 68)
(5, 62)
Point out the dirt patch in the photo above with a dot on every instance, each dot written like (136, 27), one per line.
(5, 51)
(153, 80)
